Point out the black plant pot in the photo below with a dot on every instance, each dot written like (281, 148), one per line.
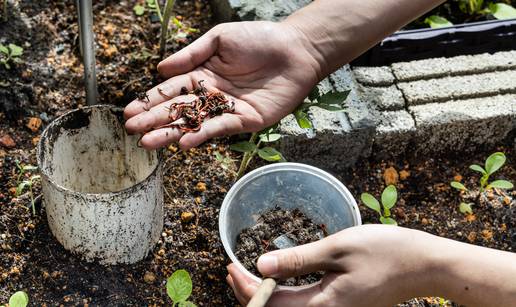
(471, 38)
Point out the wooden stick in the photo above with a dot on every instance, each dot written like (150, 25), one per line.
(263, 294)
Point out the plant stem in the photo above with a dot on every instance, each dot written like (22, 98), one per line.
(158, 11)
(248, 156)
(32, 200)
(164, 27)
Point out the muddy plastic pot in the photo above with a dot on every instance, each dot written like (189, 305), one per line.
(103, 195)
(315, 192)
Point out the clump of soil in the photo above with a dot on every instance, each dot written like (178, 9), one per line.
(275, 229)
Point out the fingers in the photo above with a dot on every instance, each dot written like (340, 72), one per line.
(299, 260)
(160, 93)
(155, 117)
(244, 288)
(188, 58)
(160, 138)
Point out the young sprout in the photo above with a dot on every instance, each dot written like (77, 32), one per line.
(389, 198)
(18, 299)
(22, 169)
(466, 208)
(179, 289)
(493, 163)
(28, 184)
(225, 162)
(330, 101)
(10, 54)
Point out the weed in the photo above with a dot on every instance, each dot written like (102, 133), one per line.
(10, 54)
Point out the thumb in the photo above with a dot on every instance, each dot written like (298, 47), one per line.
(190, 57)
(300, 260)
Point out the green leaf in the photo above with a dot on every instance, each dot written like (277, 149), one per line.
(218, 156)
(457, 185)
(139, 10)
(21, 187)
(502, 11)
(178, 23)
(179, 286)
(478, 168)
(244, 146)
(494, 162)
(332, 108)
(389, 196)
(271, 137)
(302, 119)
(436, 21)
(465, 208)
(270, 154)
(35, 177)
(388, 221)
(187, 304)
(371, 202)
(151, 4)
(4, 50)
(314, 94)
(333, 98)
(19, 299)
(16, 51)
(7, 65)
(500, 184)
(29, 168)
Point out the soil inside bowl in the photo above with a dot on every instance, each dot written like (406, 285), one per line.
(275, 229)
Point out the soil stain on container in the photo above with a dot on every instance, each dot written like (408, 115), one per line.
(102, 193)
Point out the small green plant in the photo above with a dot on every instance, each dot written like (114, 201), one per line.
(22, 170)
(179, 288)
(501, 11)
(493, 163)
(10, 54)
(331, 101)
(472, 7)
(225, 162)
(389, 198)
(29, 183)
(18, 299)
(436, 21)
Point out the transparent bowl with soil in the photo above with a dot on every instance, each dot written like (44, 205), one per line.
(279, 206)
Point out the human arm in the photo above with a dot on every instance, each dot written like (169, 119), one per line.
(267, 68)
(381, 265)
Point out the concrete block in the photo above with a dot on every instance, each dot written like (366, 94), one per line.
(459, 65)
(378, 76)
(460, 87)
(393, 134)
(384, 98)
(273, 10)
(463, 124)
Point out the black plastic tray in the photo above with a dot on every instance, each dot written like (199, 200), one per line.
(472, 38)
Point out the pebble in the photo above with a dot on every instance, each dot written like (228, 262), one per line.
(187, 216)
(201, 186)
(7, 141)
(149, 277)
(404, 174)
(34, 124)
(390, 176)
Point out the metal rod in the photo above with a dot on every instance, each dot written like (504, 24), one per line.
(85, 9)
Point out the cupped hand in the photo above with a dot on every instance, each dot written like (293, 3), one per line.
(369, 265)
(265, 67)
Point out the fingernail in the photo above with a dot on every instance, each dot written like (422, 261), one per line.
(268, 265)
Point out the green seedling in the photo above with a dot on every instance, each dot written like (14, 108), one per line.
(493, 163)
(330, 101)
(179, 289)
(225, 162)
(389, 198)
(18, 299)
(472, 7)
(22, 170)
(501, 11)
(10, 54)
(436, 21)
(28, 184)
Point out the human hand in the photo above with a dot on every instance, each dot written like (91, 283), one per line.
(266, 68)
(369, 265)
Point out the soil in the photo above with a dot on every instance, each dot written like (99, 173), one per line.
(275, 229)
(49, 82)
(452, 12)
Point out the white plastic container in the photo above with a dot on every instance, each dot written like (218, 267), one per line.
(103, 195)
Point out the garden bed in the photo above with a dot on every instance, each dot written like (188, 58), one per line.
(50, 82)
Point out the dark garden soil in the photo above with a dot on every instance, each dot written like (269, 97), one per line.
(49, 82)
(276, 229)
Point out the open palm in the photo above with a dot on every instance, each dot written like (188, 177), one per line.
(264, 67)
